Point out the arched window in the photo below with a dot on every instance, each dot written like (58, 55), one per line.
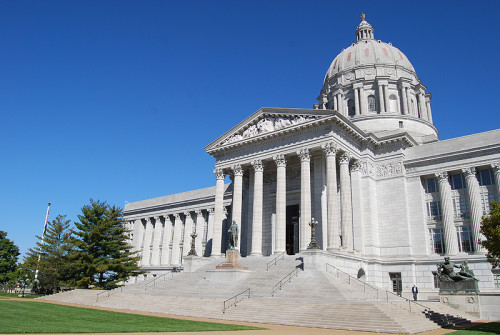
(393, 104)
(351, 108)
(372, 104)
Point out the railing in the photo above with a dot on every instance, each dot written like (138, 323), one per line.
(163, 277)
(275, 260)
(288, 278)
(368, 289)
(107, 294)
(228, 303)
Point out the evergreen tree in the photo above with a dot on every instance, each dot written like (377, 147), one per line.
(102, 253)
(8, 258)
(51, 257)
(490, 228)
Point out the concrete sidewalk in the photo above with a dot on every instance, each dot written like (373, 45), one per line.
(270, 329)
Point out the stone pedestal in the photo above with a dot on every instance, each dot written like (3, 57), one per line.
(232, 261)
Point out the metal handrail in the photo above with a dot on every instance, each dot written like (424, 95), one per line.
(365, 285)
(152, 282)
(235, 300)
(108, 293)
(275, 260)
(288, 277)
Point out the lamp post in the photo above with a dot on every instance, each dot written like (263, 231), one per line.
(313, 244)
(192, 252)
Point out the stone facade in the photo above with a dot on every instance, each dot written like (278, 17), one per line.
(389, 198)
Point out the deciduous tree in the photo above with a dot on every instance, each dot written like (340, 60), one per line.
(9, 253)
(490, 228)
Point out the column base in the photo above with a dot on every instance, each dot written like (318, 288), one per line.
(253, 254)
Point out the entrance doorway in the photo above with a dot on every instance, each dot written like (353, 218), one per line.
(397, 283)
(292, 229)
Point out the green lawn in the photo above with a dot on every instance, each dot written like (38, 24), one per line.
(18, 317)
(481, 329)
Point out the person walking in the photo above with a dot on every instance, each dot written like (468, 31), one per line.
(414, 290)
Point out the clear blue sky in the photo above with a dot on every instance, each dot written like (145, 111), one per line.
(115, 100)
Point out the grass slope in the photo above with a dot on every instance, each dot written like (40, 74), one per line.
(481, 329)
(18, 317)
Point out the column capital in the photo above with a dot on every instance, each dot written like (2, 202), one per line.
(280, 160)
(198, 212)
(356, 166)
(469, 172)
(177, 216)
(219, 173)
(330, 149)
(441, 176)
(210, 210)
(257, 165)
(148, 220)
(187, 214)
(304, 155)
(158, 218)
(344, 158)
(238, 170)
(496, 167)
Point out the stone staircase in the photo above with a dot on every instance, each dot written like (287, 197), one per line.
(309, 299)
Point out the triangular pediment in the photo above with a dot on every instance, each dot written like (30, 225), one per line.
(267, 121)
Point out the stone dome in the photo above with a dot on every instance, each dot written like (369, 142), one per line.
(374, 84)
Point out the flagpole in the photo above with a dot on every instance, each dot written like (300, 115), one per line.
(43, 240)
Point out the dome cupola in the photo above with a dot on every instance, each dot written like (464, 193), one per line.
(374, 85)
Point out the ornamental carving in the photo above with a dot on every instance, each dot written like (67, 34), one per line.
(390, 169)
(238, 170)
(219, 173)
(266, 125)
(469, 172)
(257, 165)
(496, 167)
(280, 160)
(442, 176)
(344, 158)
(304, 155)
(330, 149)
(356, 166)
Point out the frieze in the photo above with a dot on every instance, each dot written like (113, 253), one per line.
(384, 170)
(267, 125)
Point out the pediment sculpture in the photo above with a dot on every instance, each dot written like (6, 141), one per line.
(266, 125)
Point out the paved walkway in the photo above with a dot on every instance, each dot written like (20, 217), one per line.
(270, 329)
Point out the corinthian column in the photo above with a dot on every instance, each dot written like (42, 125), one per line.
(210, 233)
(167, 236)
(237, 198)
(148, 239)
(188, 230)
(476, 211)
(305, 198)
(357, 207)
(450, 231)
(333, 242)
(280, 245)
(155, 258)
(496, 172)
(200, 231)
(218, 213)
(257, 208)
(346, 202)
(176, 248)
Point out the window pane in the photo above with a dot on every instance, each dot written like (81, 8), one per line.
(431, 185)
(485, 177)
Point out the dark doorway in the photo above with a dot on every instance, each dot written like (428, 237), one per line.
(292, 229)
(397, 283)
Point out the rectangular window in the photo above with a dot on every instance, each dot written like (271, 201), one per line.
(496, 278)
(464, 236)
(486, 199)
(437, 240)
(434, 210)
(460, 206)
(485, 177)
(457, 181)
(430, 185)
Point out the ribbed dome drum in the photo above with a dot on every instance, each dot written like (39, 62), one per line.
(374, 84)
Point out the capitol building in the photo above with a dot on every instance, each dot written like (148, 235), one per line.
(365, 163)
